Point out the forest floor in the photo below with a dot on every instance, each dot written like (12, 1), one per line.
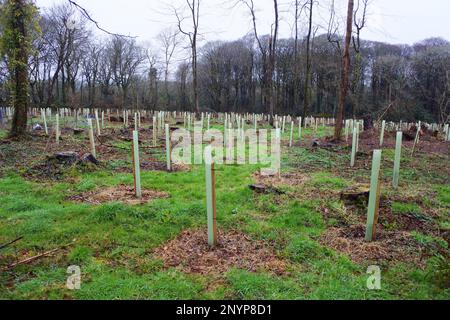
(298, 240)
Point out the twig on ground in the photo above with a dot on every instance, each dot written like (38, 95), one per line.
(3, 246)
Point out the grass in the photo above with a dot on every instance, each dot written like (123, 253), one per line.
(406, 208)
(112, 243)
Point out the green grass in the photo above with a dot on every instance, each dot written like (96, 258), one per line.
(112, 242)
(406, 208)
(444, 195)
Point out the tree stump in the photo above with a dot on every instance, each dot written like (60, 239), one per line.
(78, 131)
(89, 158)
(67, 157)
(356, 195)
(261, 188)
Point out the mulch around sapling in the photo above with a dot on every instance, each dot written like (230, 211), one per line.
(390, 246)
(284, 180)
(121, 193)
(191, 253)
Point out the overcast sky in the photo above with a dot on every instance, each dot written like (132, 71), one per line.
(394, 21)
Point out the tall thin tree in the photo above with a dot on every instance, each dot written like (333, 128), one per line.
(194, 10)
(345, 73)
(307, 92)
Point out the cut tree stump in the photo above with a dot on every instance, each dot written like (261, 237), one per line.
(77, 131)
(356, 195)
(261, 188)
(70, 157)
(67, 157)
(89, 158)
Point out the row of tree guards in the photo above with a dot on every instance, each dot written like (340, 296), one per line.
(160, 123)
(160, 117)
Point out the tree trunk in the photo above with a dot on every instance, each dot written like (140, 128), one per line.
(345, 73)
(20, 69)
(195, 78)
(308, 64)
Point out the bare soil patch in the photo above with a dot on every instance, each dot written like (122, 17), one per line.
(121, 193)
(191, 253)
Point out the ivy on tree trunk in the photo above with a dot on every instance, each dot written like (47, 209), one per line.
(17, 20)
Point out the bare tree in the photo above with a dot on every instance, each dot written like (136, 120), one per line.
(359, 20)
(65, 40)
(296, 60)
(125, 58)
(90, 64)
(152, 74)
(345, 72)
(194, 11)
(272, 57)
(268, 55)
(169, 39)
(307, 94)
(333, 29)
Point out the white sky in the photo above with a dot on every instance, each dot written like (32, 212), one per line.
(393, 21)
(397, 21)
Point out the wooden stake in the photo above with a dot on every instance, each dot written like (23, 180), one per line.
(210, 198)
(416, 140)
(136, 167)
(398, 155)
(374, 198)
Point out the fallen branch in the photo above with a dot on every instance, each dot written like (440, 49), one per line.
(31, 259)
(3, 246)
(385, 111)
(34, 258)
